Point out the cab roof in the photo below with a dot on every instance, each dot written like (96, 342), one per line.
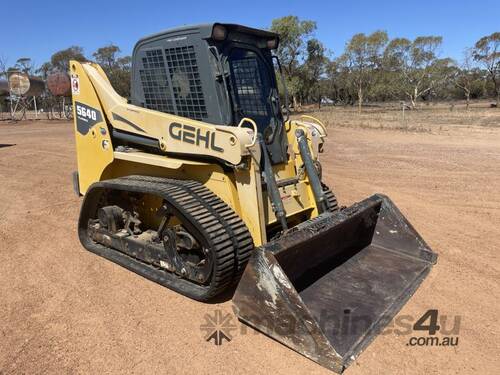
(205, 31)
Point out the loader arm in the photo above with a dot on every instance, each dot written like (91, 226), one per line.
(171, 134)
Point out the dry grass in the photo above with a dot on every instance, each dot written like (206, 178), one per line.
(426, 118)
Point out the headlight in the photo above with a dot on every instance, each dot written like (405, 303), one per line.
(219, 32)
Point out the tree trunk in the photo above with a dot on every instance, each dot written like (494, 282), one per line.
(497, 89)
(467, 100)
(413, 102)
(414, 98)
(360, 98)
(295, 104)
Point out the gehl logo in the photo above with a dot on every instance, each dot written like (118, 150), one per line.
(195, 136)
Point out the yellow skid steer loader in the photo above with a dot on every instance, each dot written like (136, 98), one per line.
(200, 182)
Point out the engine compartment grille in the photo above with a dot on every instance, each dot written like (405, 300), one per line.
(171, 82)
(186, 83)
(155, 82)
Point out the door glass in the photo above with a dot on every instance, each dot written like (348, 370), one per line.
(251, 86)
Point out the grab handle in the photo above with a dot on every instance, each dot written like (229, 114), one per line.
(254, 126)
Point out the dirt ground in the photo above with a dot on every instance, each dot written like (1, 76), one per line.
(64, 310)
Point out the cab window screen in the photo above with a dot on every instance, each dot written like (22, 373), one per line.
(250, 84)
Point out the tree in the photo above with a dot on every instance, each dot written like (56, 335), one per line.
(487, 52)
(106, 56)
(339, 85)
(44, 70)
(3, 66)
(117, 68)
(60, 60)
(315, 65)
(294, 34)
(362, 57)
(25, 65)
(417, 64)
(466, 75)
(120, 76)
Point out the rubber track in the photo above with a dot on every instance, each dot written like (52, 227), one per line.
(238, 231)
(223, 230)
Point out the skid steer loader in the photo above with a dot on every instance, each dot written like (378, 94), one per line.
(200, 182)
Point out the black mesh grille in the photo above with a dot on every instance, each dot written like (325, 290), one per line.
(248, 83)
(186, 83)
(154, 80)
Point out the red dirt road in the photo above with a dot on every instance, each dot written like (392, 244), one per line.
(64, 310)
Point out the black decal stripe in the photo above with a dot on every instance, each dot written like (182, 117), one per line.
(84, 123)
(124, 120)
(81, 127)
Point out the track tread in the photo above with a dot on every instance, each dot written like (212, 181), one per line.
(223, 230)
(332, 200)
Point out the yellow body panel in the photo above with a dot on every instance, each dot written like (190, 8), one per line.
(92, 157)
(187, 152)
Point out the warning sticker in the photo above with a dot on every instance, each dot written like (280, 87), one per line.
(75, 84)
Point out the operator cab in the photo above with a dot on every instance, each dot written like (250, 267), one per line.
(216, 73)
